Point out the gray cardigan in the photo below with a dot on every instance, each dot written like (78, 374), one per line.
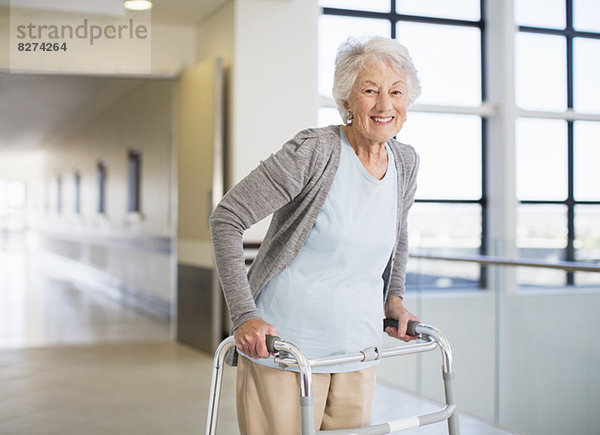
(293, 184)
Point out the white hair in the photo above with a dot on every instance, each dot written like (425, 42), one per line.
(353, 55)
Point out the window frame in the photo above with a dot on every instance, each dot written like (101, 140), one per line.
(59, 195)
(134, 180)
(570, 117)
(101, 173)
(77, 181)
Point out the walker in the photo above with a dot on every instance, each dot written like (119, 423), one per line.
(287, 354)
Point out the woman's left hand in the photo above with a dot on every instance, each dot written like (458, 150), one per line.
(394, 309)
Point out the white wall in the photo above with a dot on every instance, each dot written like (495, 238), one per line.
(550, 356)
(215, 35)
(546, 360)
(173, 48)
(141, 120)
(274, 81)
(467, 319)
(275, 77)
(166, 50)
(4, 38)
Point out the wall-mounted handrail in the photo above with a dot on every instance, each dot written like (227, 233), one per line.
(570, 266)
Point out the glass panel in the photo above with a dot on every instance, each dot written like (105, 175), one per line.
(587, 75)
(328, 116)
(450, 151)
(541, 235)
(444, 229)
(541, 156)
(541, 13)
(586, 15)
(587, 157)
(458, 9)
(334, 30)
(541, 72)
(587, 241)
(361, 5)
(448, 75)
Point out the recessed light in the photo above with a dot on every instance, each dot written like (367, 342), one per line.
(137, 5)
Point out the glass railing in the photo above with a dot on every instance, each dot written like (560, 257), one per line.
(524, 342)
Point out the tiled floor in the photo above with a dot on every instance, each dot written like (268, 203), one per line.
(75, 362)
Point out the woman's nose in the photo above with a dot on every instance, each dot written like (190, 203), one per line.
(384, 102)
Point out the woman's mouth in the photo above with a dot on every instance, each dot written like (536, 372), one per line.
(382, 119)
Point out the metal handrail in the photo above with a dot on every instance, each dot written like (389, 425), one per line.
(570, 266)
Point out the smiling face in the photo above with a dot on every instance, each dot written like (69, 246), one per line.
(378, 103)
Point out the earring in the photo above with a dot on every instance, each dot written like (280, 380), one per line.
(349, 117)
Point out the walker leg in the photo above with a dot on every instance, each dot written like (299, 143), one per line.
(447, 371)
(453, 427)
(307, 401)
(215, 385)
(307, 411)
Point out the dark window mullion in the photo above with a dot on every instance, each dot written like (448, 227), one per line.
(542, 201)
(449, 201)
(483, 247)
(101, 188)
(393, 22)
(570, 250)
(559, 32)
(395, 17)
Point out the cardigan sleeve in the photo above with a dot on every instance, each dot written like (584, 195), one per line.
(274, 183)
(397, 283)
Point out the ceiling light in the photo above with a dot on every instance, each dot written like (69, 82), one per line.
(137, 5)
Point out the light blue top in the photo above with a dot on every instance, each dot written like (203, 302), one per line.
(329, 300)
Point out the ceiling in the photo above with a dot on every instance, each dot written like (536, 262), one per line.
(33, 106)
(182, 12)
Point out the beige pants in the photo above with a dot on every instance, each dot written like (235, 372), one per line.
(268, 399)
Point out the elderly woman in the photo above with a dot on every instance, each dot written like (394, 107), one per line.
(333, 261)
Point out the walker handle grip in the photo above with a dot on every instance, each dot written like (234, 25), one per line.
(410, 329)
(270, 341)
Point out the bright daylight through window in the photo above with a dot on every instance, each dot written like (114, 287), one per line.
(448, 215)
(557, 95)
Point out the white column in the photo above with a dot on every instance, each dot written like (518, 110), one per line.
(274, 81)
(502, 200)
(501, 163)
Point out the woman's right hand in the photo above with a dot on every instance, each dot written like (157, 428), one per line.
(250, 337)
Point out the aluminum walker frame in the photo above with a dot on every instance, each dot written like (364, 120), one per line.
(287, 354)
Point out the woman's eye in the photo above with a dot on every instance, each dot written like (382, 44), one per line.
(369, 91)
(397, 92)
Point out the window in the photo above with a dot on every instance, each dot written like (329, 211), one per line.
(101, 169)
(77, 192)
(13, 201)
(558, 92)
(59, 195)
(134, 169)
(440, 36)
